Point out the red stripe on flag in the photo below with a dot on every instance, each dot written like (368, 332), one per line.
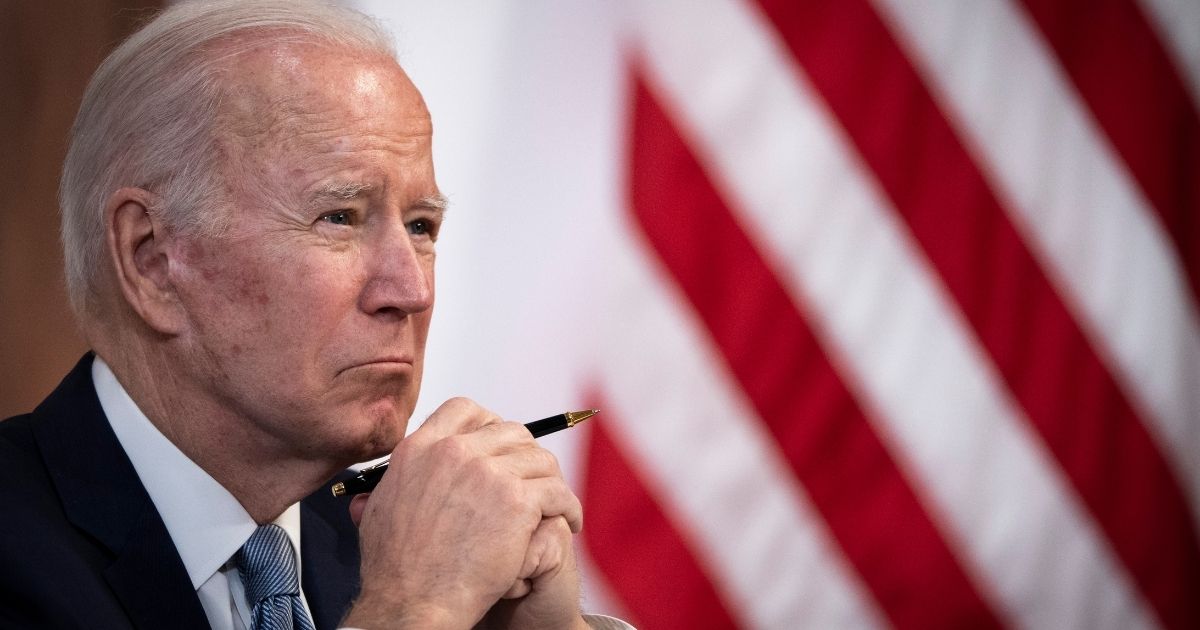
(1054, 373)
(851, 478)
(1121, 69)
(635, 546)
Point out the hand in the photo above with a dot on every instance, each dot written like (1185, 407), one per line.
(542, 599)
(471, 509)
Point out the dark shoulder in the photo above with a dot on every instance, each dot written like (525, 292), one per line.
(32, 506)
(22, 471)
(16, 432)
(39, 547)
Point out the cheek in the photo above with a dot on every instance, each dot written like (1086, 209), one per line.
(306, 312)
(237, 301)
(230, 324)
(300, 307)
(320, 290)
(249, 291)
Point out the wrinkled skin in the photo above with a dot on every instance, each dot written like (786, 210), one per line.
(291, 344)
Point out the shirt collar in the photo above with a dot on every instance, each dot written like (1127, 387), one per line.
(206, 522)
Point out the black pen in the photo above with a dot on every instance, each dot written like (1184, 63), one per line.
(369, 477)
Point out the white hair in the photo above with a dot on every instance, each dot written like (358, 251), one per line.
(150, 114)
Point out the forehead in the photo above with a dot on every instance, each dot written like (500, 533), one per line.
(295, 115)
(291, 91)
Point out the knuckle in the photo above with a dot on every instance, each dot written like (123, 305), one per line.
(484, 473)
(513, 495)
(474, 414)
(512, 430)
(559, 527)
(459, 404)
(506, 431)
(549, 461)
(476, 468)
(453, 449)
(561, 489)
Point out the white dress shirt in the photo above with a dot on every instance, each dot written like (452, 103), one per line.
(205, 521)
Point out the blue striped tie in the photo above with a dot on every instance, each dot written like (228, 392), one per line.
(267, 565)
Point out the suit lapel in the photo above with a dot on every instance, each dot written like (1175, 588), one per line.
(102, 495)
(329, 549)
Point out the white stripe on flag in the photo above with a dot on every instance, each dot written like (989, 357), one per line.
(598, 597)
(712, 466)
(1080, 211)
(1178, 25)
(932, 392)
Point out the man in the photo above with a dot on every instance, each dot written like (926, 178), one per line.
(250, 217)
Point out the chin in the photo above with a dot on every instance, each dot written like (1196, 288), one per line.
(366, 425)
(377, 430)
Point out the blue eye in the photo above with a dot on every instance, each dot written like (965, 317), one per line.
(341, 217)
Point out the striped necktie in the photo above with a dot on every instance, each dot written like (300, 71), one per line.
(267, 564)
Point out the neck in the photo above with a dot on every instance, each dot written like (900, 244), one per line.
(255, 468)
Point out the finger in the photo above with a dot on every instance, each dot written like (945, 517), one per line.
(358, 505)
(530, 462)
(520, 588)
(453, 417)
(544, 557)
(504, 448)
(547, 551)
(497, 438)
(554, 498)
(507, 435)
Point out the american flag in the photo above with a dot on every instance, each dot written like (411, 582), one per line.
(892, 307)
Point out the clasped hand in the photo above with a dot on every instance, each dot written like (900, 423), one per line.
(472, 524)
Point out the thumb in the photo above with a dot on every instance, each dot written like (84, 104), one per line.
(357, 506)
(455, 416)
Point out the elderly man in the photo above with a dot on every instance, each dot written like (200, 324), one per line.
(250, 217)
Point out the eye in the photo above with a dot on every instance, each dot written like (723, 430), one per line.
(422, 227)
(340, 217)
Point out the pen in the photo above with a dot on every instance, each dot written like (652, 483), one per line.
(366, 480)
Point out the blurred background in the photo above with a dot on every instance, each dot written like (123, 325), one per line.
(892, 307)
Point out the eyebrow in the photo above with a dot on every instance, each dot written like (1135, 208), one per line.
(342, 191)
(345, 191)
(436, 202)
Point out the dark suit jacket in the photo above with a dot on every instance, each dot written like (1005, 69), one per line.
(82, 545)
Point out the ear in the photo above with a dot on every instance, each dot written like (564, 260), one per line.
(138, 248)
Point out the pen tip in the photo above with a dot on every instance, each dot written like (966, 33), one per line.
(575, 417)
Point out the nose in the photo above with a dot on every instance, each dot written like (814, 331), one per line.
(399, 275)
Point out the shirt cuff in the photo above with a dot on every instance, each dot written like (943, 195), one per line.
(595, 622)
(603, 622)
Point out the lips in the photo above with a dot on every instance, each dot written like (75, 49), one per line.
(405, 360)
(381, 363)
